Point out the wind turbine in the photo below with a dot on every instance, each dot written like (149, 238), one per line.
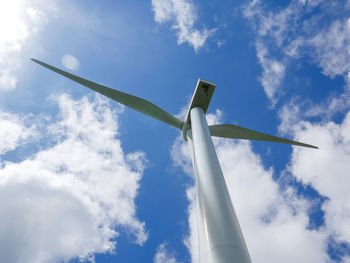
(220, 236)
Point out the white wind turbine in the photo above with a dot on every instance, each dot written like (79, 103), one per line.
(220, 236)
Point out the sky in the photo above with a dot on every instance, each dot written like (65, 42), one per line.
(85, 179)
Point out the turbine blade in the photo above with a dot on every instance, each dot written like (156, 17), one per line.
(131, 101)
(237, 132)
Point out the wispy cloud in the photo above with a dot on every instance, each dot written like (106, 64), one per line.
(65, 201)
(183, 14)
(331, 48)
(15, 130)
(163, 255)
(272, 72)
(297, 31)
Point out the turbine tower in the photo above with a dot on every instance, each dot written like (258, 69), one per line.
(220, 236)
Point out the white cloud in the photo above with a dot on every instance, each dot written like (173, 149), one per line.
(19, 21)
(70, 62)
(66, 200)
(214, 118)
(326, 169)
(183, 13)
(331, 48)
(273, 72)
(274, 223)
(14, 131)
(271, 25)
(163, 255)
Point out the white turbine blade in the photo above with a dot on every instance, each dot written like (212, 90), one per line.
(131, 101)
(237, 132)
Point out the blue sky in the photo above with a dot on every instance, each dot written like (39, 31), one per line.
(83, 178)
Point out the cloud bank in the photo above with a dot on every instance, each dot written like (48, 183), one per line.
(67, 200)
